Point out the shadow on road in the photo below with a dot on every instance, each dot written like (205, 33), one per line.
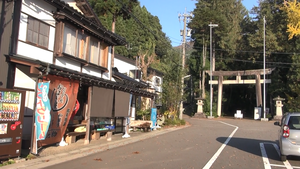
(251, 146)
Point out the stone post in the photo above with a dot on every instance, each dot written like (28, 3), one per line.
(279, 106)
(200, 104)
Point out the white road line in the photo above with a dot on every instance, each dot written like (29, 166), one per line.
(276, 165)
(264, 156)
(216, 155)
(283, 166)
(286, 163)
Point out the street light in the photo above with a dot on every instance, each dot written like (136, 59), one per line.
(211, 61)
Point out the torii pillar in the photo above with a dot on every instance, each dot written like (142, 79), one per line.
(258, 91)
(220, 91)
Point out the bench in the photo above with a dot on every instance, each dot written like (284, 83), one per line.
(95, 135)
(71, 136)
(145, 126)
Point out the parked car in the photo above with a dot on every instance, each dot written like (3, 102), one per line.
(289, 135)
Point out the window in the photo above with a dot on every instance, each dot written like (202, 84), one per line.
(78, 44)
(294, 122)
(157, 81)
(69, 45)
(94, 51)
(75, 42)
(37, 32)
(81, 45)
(104, 55)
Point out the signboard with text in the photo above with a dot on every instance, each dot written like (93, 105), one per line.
(62, 96)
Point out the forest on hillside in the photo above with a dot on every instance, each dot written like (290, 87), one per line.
(238, 44)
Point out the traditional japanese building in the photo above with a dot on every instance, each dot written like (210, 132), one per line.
(63, 43)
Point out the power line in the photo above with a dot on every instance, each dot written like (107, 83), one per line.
(250, 51)
(227, 50)
(276, 64)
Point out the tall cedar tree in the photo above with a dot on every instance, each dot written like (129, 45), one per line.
(228, 14)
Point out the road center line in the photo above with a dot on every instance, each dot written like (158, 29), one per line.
(216, 155)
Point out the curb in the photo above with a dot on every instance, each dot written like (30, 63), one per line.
(50, 160)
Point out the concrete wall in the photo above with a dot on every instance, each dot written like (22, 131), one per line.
(123, 67)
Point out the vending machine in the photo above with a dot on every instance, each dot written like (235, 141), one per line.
(11, 120)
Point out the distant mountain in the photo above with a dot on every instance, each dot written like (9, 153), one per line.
(188, 48)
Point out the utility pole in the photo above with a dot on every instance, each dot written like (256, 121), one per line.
(264, 106)
(185, 17)
(211, 66)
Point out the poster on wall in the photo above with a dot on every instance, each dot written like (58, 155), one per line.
(3, 128)
(62, 95)
(42, 111)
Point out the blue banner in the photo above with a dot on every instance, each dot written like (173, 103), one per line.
(153, 116)
(42, 111)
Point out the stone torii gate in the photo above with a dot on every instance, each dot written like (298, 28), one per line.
(238, 74)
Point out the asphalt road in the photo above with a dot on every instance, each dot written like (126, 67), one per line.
(218, 143)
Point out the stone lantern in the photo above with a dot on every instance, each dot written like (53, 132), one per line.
(279, 106)
(200, 103)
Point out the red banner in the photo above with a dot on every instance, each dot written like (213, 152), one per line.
(63, 96)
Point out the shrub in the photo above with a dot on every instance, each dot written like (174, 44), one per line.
(174, 122)
(143, 114)
(10, 161)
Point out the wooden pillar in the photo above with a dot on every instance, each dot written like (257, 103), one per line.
(258, 91)
(220, 91)
(87, 134)
(33, 144)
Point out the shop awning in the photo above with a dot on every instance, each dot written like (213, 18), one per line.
(86, 79)
(102, 102)
(122, 100)
(121, 78)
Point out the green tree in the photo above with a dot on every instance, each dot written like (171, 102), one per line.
(293, 97)
(171, 95)
(109, 10)
(146, 40)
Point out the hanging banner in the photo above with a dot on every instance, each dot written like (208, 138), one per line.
(42, 112)
(63, 96)
(153, 116)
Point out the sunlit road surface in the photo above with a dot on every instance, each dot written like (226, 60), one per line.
(217, 143)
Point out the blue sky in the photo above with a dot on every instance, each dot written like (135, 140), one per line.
(167, 11)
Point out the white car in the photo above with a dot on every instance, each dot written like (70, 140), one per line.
(289, 135)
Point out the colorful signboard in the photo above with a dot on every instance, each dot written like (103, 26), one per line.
(153, 116)
(42, 112)
(63, 96)
(9, 105)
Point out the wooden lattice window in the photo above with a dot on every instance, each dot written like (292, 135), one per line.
(37, 32)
